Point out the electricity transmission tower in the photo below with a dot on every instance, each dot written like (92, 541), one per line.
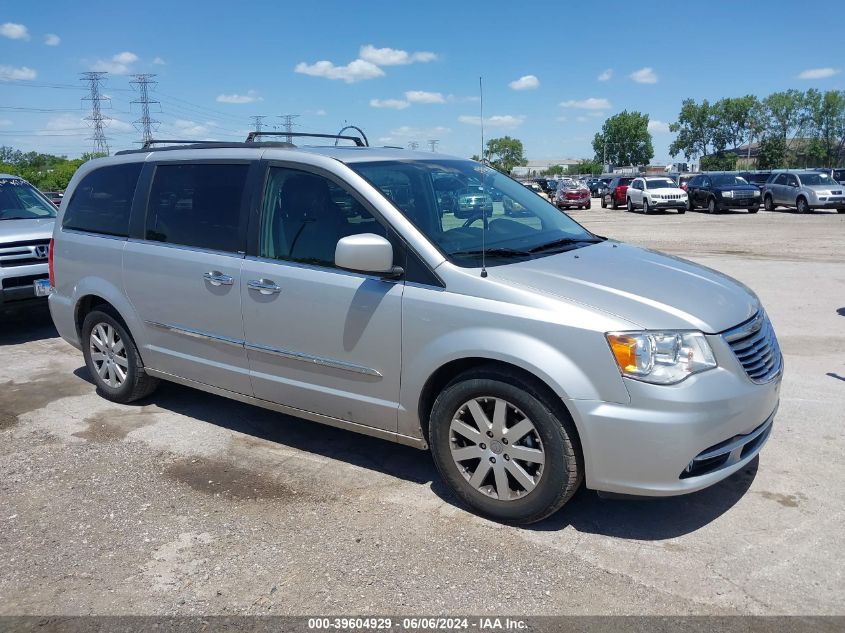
(98, 121)
(433, 143)
(143, 81)
(287, 122)
(413, 145)
(258, 122)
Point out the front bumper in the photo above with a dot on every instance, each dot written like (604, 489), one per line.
(670, 439)
(726, 204)
(669, 204)
(833, 202)
(16, 285)
(576, 202)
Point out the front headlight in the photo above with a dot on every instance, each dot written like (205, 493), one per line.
(757, 193)
(661, 358)
(727, 194)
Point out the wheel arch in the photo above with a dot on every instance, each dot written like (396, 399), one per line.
(92, 292)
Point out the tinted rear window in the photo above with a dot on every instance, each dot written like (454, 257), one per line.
(197, 205)
(102, 201)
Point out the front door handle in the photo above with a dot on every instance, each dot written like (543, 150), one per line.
(216, 278)
(264, 286)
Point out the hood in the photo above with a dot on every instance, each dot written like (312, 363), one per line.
(652, 290)
(23, 230)
(831, 187)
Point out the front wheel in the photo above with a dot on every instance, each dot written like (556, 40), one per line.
(113, 359)
(629, 205)
(840, 210)
(589, 205)
(711, 206)
(503, 448)
(802, 206)
(646, 207)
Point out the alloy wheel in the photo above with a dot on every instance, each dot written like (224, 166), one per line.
(496, 448)
(108, 355)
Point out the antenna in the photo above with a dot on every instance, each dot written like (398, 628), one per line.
(483, 172)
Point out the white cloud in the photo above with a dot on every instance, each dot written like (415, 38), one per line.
(51, 39)
(406, 131)
(421, 96)
(250, 97)
(158, 61)
(117, 65)
(591, 103)
(658, 126)
(357, 70)
(10, 73)
(526, 82)
(496, 121)
(644, 76)
(395, 104)
(320, 112)
(581, 119)
(818, 73)
(5, 122)
(605, 75)
(14, 31)
(393, 56)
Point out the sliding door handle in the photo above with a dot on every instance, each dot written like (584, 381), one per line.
(216, 278)
(264, 286)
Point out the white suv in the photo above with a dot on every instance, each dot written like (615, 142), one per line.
(659, 192)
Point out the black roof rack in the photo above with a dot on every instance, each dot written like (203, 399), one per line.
(200, 145)
(355, 139)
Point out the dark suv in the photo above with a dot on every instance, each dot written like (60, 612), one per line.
(614, 193)
(722, 191)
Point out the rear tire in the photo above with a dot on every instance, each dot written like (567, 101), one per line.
(589, 205)
(113, 359)
(768, 203)
(840, 210)
(613, 204)
(603, 202)
(499, 494)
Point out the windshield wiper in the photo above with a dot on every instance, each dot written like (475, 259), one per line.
(494, 252)
(564, 241)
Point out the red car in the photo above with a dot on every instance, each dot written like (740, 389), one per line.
(614, 195)
(571, 194)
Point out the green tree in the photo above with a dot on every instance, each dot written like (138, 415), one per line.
(505, 153)
(554, 170)
(694, 129)
(624, 140)
(718, 162)
(772, 153)
(825, 127)
(586, 166)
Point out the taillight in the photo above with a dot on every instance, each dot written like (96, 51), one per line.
(684, 186)
(50, 263)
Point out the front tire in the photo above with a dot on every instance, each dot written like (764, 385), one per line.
(589, 205)
(505, 450)
(113, 359)
(629, 205)
(711, 206)
(646, 207)
(802, 206)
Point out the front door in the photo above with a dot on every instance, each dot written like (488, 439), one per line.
(319, 338)
(184, 275)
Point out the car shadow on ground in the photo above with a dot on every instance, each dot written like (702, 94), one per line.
(644, 519)
(21, 325)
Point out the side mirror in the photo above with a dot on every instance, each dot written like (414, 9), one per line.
(366, 253)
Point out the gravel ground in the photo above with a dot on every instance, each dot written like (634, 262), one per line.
(187, 503)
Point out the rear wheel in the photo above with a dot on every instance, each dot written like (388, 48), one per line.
(112, 358)
(768, 203)
(604, 202)
(613, 204)
(690, 205)
(505, 451)
(840, 210)
(589, 205)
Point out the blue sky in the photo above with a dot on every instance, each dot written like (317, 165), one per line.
(401, 71)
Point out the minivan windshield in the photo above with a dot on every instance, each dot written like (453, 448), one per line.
(21, 201)
(432, 195)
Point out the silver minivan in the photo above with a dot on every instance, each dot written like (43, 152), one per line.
(334, 284)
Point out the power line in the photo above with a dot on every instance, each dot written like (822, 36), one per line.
(258, 121)
(145, 124)
(433, 142)
(413, 145)
(287, 122)
(97, 119)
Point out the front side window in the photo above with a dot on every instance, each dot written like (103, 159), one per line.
(304, 215)
(520, 225)
(102, 201)
(791, 180)
(780, 180)
(197, 205)
(21, 201)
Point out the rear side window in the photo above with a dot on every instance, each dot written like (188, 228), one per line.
(102, 201)
(197, 205)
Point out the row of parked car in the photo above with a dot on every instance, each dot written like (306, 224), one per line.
(804, 190)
